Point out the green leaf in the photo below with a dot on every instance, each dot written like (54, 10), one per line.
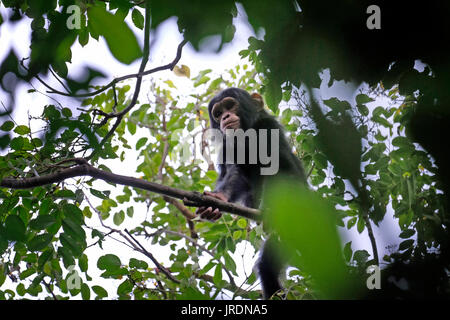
(273, 96)
(141, 142)
(361, 256)
(337, 105)
(83, 262)
(283, 201)
(20, 289)
(130, 212)
(201, 81)
(87, 212)
(138, 19)
(242, 223)
(363, 109)
(74, 213)
(405, 234)
(7, 126)
(363, 99)
(237, 234)
(99, 194)
(405, 219)
(138, 264)
(131, 127)
(83, 36)
(73, 229)
(320, 161)
(44, 257)
(39, 242)
(17, 143)
(25, 274)
(72, 244)
(85, 291)
(125, 287)
(120, 39)
(229, 263)
(351, 222)
(109, 262)
(402, 142)
(170, 84)
(119, 217)
(42, 222)
(66, 254)
(45, 206)
(378, 111)
(348, 251)
(66, 112)
(361, 225)
(382, 121)
(22, 130)
(101, 293)
(3, 246)
(405, 244)
(218, 275)
(14, 228)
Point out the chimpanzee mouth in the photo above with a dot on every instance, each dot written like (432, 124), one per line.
(230, 124)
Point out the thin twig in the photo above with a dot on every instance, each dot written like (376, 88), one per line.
(49, 288)
(157, 264)
(168, 66)
(137, 89)
(203, 248)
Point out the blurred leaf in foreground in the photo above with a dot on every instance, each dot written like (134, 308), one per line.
(306, 224)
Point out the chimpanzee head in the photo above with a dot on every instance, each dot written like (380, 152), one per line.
(235, 108)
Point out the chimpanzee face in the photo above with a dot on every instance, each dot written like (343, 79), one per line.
(225, 114)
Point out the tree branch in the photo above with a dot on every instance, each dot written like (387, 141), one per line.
(157, 264)
(168, 66)
(185, 212)
(137, 89)
(201, 247)
(192, 197)
(228, 286)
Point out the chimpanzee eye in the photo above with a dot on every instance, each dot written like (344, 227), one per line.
(217, 114)
(229, 105)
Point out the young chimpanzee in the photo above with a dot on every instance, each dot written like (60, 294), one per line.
(243, 181)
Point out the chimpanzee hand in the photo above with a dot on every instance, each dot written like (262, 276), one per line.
(210, 213)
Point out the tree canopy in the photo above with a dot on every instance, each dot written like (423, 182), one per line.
(379, 152)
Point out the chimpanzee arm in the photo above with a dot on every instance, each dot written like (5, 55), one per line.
(235, 185)
(232, 185)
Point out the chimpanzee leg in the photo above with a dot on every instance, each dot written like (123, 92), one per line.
(269, 267)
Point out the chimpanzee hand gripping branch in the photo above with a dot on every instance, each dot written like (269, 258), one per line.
(243, 175)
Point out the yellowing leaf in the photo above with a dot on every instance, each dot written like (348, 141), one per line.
(182, 71)
(170, 83)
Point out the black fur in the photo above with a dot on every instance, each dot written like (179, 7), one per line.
(243, 182)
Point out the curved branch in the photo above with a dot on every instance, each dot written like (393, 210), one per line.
(185, 212)
(202, 248)
(137, 89)
(192, 197)
(168, 66)
(228, 286)
(149, 255)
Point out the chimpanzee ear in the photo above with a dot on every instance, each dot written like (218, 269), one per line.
(258, 99)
